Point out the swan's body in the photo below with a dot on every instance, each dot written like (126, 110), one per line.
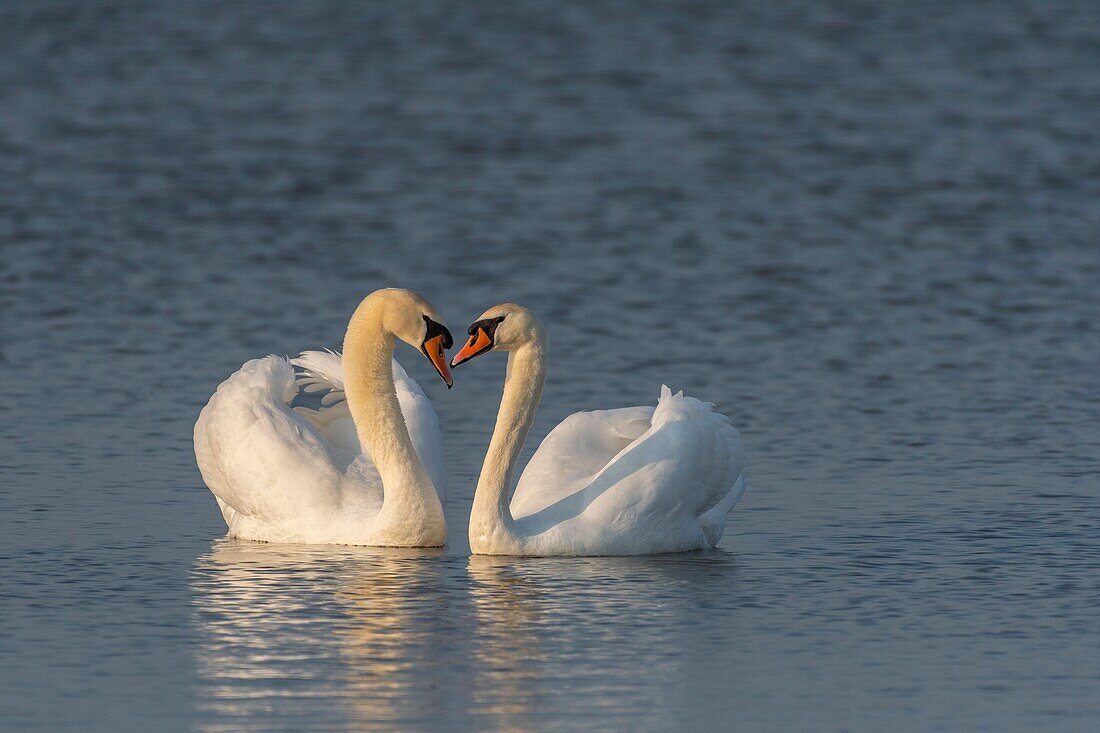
(639, 480)
(365, 470)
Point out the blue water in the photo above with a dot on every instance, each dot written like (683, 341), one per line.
(867, 232)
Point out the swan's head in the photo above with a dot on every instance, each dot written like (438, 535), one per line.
(503, 327)
(413, 320)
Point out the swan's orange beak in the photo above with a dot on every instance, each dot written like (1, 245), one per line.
(479, 343)
(434, 350)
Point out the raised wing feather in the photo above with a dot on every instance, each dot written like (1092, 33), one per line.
(323, 371)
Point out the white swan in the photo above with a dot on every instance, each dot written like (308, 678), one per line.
(632, 481)
(365, 471)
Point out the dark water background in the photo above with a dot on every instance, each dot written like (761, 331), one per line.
(868, 231)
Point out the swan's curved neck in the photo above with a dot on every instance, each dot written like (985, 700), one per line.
(411, 511)
(491, 517)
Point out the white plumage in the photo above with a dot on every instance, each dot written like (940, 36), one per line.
(637, 480)
(293, 474)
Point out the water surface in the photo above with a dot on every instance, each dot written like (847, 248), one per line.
(867, 232)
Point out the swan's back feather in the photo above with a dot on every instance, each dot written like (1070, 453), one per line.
(668, 487)
(257, 456)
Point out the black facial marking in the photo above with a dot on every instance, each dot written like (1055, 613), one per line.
(435, 329)
(489, 325)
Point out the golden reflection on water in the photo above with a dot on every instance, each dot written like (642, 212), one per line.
(506, 651)
(335, 638)
(285, 629)
(578, 638)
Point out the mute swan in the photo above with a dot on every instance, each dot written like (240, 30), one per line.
(632, 481)
(365, 471)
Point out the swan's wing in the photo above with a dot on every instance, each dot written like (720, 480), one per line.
(260, 458)
(423, 425)
(686, 465)
(574, 452)
(323, 371)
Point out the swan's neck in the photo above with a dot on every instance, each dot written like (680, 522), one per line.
(491, 517)
(411, 513)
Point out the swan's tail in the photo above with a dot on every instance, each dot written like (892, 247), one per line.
(724, 482)
(713, 522)
(679, 406)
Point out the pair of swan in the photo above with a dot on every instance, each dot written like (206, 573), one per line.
(365, 467)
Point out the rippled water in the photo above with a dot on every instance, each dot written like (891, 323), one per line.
(868, 232)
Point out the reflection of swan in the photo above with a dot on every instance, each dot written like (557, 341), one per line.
(616, 482)
(507, 654)
(600, 642)
(290, 634)
(317, 476)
